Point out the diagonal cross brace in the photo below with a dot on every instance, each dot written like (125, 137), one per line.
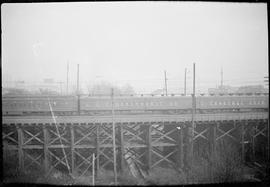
(32, 137)
(227, 133)
(164, 135)
(163, 157)
(200, 134)
(85, 135)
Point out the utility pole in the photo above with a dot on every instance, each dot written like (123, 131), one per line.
(268, 127)
(185, 82)
(166, 89)
(114, 146)
(78, 88)
(67, 77)
(193, 115)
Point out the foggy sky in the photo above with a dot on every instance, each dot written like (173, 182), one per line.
(134, 42)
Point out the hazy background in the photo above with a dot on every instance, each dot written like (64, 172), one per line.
(134, 42)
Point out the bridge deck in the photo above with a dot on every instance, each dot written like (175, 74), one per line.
(134, 118)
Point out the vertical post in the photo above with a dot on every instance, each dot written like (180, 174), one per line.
(46, 161)
(243, 141)
(149, 146)
(185, 82)
(72, 148)
(212, 149)
(193, 115)
(180, 146)
(243, 146)
(114, 146)
(67, 76)
(20, 146)
(93, 169)
(97, 146)
(253, 143)
(166, 89)
(122, 146)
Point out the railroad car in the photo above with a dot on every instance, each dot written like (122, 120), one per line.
(71, 105)
(38, 105)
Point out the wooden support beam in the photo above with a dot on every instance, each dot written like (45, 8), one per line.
(20, 147)
(122, 147)
(243, 124)
(97, 146)
(212, 149)
(253, 143)
(45, 140)
(180, 153)
(149, 146)
(72, 138)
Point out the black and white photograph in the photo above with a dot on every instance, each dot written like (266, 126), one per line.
(135, 93)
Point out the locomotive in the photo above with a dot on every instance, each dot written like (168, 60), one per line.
(102, 105)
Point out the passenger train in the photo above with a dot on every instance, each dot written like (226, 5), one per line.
(86, 105)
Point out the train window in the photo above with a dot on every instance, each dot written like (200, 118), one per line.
(262, 103)
(224, 103)
(233, 103)
(220, 103)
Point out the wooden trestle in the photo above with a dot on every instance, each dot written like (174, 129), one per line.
(152, 144)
